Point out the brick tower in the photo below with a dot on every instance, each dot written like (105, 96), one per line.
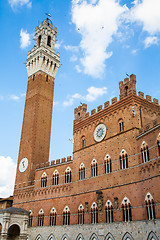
(42, 65)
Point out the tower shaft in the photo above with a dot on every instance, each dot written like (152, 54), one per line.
(42, 65)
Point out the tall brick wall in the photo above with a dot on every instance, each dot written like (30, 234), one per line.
(35, 137)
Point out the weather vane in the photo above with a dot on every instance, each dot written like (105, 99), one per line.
(48, 15)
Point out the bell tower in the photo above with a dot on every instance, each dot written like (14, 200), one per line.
(42, 65)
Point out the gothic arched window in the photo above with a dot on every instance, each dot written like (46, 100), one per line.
(109, 212)
(123, 159)
(108, 164)
(53, 217)
(83, 142)
(41, 218)
(81, 214)
(44, 180)
(126, 208)
(94, 168)
(66, 216)
(55, 177)
(81, 172)
(144, 152)
(94, 213)
(68, 175)
(150, 206)
(121, 125)
(30, 217)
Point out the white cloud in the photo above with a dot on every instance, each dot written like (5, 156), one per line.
(147, 12)
(97, 22)
(55, 103)
(92, 95)
(58, 44)
(20, 3)
(77, 67)
(23, 94)
(71, 48)
(1, 98)
(73, 58)
(25, 39)
(7, 176)
(150, 41)
(134, 51)
(68, 103)
(14, 97)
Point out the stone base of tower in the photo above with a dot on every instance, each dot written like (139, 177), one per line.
(135, 230)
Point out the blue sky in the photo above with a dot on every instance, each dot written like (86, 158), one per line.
(99, 42)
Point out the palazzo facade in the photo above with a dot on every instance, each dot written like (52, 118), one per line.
(109, 189)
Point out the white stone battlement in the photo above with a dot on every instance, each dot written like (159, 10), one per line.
(42, 56)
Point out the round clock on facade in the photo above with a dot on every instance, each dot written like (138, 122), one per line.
(100, 132)
(23, 165)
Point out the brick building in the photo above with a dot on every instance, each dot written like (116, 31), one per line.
(110, 189)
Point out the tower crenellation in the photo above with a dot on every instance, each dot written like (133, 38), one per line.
(80, 112)
(42, 56)
(127, 87)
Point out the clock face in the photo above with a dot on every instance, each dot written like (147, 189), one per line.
(23, 165)
(100, 132)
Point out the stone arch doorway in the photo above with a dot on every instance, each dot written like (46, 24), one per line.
(13, 232)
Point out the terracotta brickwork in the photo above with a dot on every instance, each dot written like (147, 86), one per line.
(119, 172)
(134, 182)
(35, 138)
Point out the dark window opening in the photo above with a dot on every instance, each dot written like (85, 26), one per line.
(150, 210)
(30, 221)
(94, 215)
(126, 89)
(121, 126)
(83, 142)
(127, 213)
(44, 182)
(52, 219)
(67, 177)
(40, 220)
(39, 40)
(158, 147)
(81, 217)
(56, 179)
(108, 166)
(49, 41)
(145, 155)
(109, 214)
(81, 173)
(123, 161)
(66, 218)
(94, 170)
